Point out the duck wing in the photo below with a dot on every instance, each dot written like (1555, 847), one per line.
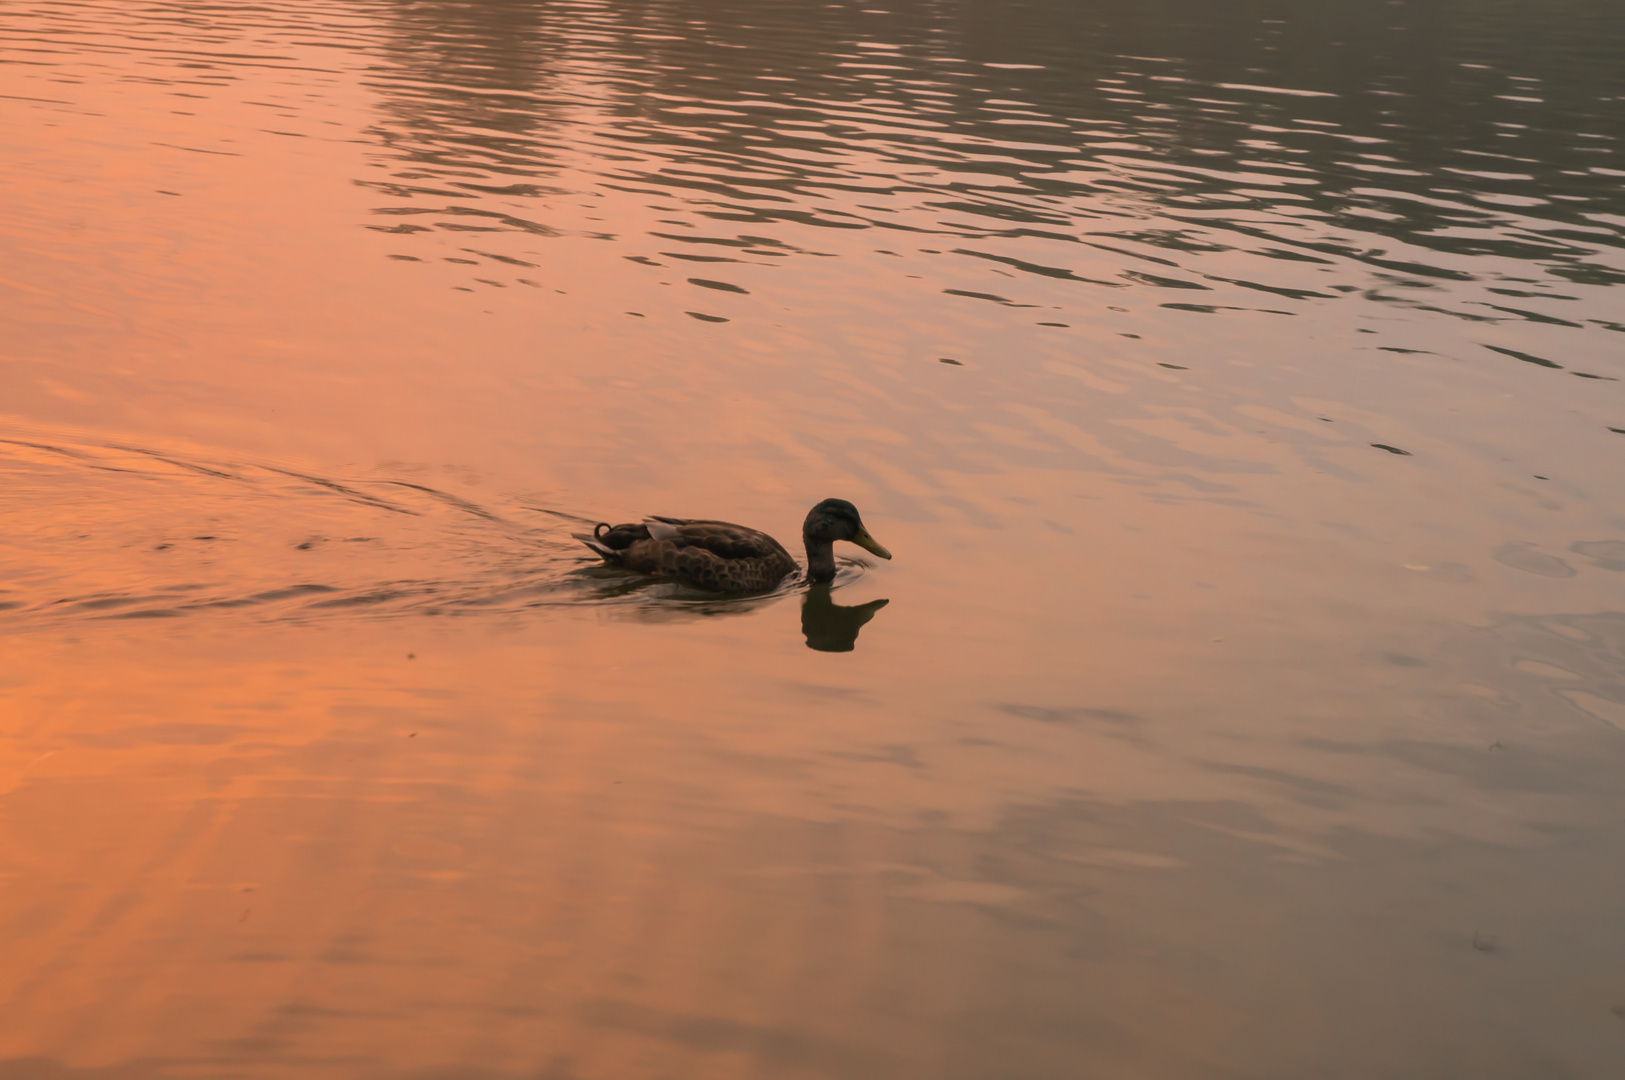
(722, 539)
(716, 555)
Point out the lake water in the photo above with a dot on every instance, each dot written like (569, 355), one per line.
(1237, 385)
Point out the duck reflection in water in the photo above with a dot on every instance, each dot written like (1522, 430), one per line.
(832, 627)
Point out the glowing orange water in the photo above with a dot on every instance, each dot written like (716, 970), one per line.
(1246, 698)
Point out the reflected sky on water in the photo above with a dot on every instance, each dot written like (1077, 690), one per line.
(1238, 388)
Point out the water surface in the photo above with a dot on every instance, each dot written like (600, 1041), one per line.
(1237, 385)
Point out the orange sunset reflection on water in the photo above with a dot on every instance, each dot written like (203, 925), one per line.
(1238, 392)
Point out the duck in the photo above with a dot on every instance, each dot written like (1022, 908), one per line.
(722, 557)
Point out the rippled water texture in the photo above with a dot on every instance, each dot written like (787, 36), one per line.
(1237, 385)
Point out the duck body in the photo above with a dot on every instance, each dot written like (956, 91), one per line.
(713, 555)
(723, 557)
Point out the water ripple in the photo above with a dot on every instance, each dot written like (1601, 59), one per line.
(158, 534)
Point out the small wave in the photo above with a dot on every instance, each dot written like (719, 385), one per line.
(115, 531)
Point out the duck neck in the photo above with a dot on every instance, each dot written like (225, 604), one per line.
(820, 560)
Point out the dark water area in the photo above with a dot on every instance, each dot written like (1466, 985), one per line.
(1237, 385)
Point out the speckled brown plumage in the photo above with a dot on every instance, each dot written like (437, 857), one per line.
(711, 555)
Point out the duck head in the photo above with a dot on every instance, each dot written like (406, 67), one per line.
(829, 521)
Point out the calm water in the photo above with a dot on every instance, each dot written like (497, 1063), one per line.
(1237, 385)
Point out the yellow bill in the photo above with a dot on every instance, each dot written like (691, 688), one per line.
(869, 543)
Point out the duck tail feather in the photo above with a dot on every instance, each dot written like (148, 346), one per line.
(609, 553)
